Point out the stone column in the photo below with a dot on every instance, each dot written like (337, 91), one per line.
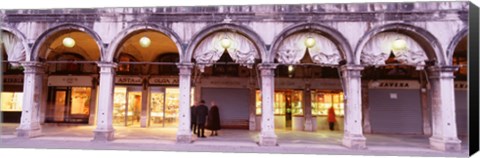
(32, 94)
(104, 130)
(252, 124)
(427, 127)
(267, 132)
(353, 133)
(307, 108)
(444, 128)
(183, 133)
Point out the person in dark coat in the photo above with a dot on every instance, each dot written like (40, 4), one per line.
(213, 123)
(193, 119)
(201, 112)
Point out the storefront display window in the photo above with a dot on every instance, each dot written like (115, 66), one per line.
(12, 101)
(258, 106)
(280, 101)
(171, 105)
(322, 101)
(296, 102)
(119, 105)
(164, 106)
(80, 100)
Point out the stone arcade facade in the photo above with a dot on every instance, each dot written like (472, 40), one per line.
(349, 37)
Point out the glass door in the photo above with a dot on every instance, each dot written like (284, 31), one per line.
(59, 106)
(134, 108)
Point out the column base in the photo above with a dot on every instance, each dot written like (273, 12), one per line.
(354, 142)
(268, 141)
(308, 125)
(28, 133)
(184, 138)
(448, 144)
(103, 136)
(143, 122)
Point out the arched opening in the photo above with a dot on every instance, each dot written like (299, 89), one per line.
(308, 90)
(461, 85)
(146, 86)
(70, 67)
(226, 73)
(13, 52)
(395, 84)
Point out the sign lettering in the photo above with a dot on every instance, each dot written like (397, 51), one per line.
(12, 80)
(163, 81)
(128, 80)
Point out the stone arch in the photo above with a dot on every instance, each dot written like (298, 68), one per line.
(454, 42)
(425, 39)
(63, 27)
(113, 47)
(19, 35)
(242, 30)
(330, 33)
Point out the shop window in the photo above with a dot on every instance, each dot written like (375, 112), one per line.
(11, 101)
(323, 100)
(69, 67)
(280, 102)
(170, 69)
(80, 100)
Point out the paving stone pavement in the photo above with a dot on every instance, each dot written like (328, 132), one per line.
(163, 139)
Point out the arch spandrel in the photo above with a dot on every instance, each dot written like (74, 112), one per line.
(240, 49)
(293, 49)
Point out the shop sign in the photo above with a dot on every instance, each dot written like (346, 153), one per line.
(224, 82)
(69, 81)
(461, 85)
(163, 80)
(326, 84)
(128, 80)
(12, 79)
(388, 84)
(289, 83)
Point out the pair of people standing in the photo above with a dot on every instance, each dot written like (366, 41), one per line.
(199, 113)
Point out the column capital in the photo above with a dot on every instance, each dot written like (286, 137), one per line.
(445, 72)
(33, 67)
(444, 68)
(351, 68)
(267, 66)
(107, 64)
(185, 65)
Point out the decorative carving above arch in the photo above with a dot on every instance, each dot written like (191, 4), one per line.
(241, 50)
(378, 49)
(293, 49)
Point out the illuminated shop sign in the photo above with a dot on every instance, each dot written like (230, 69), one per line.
(461, 85)
(12, 80)
(128, 80)
(69, 81)
(163, 80)
(394, 84)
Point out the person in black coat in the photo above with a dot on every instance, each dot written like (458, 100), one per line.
(201, 111)
(193, 119)
(213, 123)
